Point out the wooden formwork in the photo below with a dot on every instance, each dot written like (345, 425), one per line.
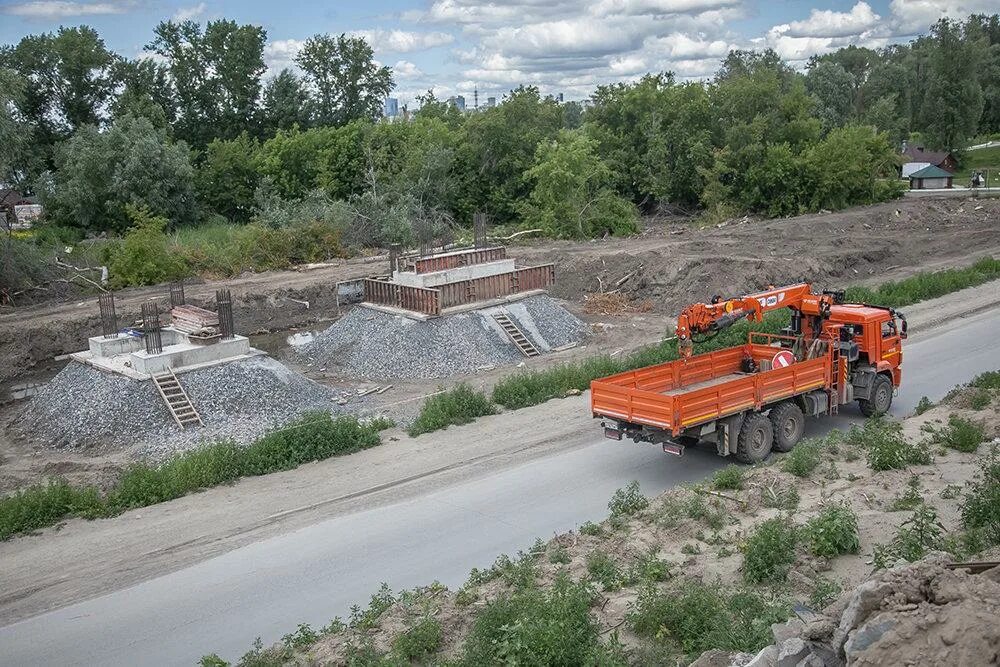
(454, 260)
(417, 299)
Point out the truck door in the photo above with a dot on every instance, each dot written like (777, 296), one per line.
(890, 349)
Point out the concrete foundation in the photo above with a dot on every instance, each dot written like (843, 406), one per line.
(464, 308)
(455, 275)
(127, 355)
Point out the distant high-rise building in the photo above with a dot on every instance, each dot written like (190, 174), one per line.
(491, 102)
(391, 107)
(559, 98)
(460, 102)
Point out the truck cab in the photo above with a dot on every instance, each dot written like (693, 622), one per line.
(872, 352)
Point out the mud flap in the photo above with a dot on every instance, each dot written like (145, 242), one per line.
(728, 430)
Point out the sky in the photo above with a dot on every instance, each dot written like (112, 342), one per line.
(561, 46)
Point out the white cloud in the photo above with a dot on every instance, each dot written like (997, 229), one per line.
(658, 7)
(913, 16)
(59, 9)
(828, 23)
(281, 53)
(404, 69)
(189, 13)
(403, 41)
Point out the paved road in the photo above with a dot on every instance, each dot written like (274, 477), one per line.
(317, 572)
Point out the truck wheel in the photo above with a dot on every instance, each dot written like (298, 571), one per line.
(881, 399)
(756, 436)
(788, 423)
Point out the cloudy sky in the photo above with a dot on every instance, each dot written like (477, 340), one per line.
(567, 46)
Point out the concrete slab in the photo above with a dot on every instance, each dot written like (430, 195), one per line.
(180, 356)
(455, 275)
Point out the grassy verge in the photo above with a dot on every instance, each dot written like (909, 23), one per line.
(459, 405)
(312, 437)
(924, 286)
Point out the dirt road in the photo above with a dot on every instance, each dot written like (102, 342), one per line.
(81, 559)
(671, 262)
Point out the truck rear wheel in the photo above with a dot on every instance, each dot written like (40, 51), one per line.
(789, 424)
(881, 398)
(756, 438)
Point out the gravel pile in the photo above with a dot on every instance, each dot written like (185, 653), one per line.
(375, 345)
(83, 407)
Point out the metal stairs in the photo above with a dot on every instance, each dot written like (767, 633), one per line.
(177, 400)
(527, 348)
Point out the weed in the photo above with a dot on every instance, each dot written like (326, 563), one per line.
(604, 570)
(729, 478)
(459, 405)
(628, 501)
(690, 549)
(784, 499)
(419, 641)
(698, 617)
(886, 448)
(831, 472)
(380, 602)
(923, 405)
(710, 513)
(910, 499)
(725, 552)
(833, 532)
(951, 491)
(961, 434)
(987, 380)
(927, 285)
(591, 528)
(918, 535)
(770, 551)
(649, 568)
(803, 459)
(559, 555)
(303, 636)
(535, 627)
(824, 592)
(981, 503)
(978, 398)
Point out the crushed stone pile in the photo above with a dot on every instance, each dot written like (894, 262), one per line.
(372, 344)
(83, 407)
(921, 613)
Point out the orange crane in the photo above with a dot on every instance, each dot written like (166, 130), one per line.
(752, 398)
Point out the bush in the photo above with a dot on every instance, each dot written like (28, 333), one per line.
(699, 617)
(919, 535)
(729, 478)
(960, 434)
(418, 642)
(628, 501)
(459, 405)
(987, 380)
(143, 256)
(923, 405)
(770, 551)
(603, 569)
(886, 448)
(833, 532)
(981, 502)
(803, 459)
(311, 437)
(536, 627)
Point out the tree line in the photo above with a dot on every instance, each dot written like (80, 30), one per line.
(197, 134)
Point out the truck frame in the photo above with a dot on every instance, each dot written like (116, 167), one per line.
(752, 398)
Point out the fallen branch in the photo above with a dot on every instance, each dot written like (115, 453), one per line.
(516, 234)
(722, 495)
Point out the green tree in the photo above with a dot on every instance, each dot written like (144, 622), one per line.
(143, 257)
(345, 81)
(496, 147)
(833, 89)
(845, 167)
(570, 196)
(286, 103)
(13, 135)
(145, 92)
(215, 74)
(953, 101)
(228, 177)
(98, 174)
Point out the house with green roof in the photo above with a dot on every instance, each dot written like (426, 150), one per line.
(930, 177)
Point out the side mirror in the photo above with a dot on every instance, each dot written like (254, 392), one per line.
(903, 329)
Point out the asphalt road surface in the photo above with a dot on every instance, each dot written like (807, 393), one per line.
(310, 575)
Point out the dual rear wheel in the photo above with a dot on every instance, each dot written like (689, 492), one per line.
(779, 430)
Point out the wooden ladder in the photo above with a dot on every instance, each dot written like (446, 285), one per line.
(177, 400)
(526, 346)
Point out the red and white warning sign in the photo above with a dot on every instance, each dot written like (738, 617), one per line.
(783, 359)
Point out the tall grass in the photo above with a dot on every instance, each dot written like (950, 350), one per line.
(928, 285)
(459, 405)
(312, 437)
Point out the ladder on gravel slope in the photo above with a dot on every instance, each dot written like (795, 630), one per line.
(526, 346)
(177, 400)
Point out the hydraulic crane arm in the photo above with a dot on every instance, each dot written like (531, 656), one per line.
(710, 318)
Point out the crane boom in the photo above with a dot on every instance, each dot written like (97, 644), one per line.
(710, 318)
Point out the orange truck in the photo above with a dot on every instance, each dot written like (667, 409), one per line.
(753, 398)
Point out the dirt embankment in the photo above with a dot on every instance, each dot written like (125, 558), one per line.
(670, 264)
